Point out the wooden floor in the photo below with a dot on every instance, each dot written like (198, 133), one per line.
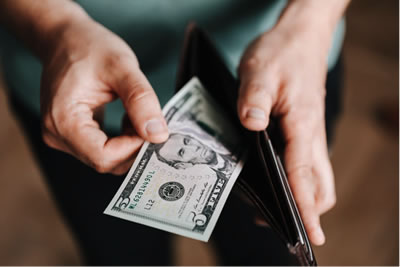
(363, 228)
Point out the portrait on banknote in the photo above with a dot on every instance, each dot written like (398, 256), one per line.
(182, 151)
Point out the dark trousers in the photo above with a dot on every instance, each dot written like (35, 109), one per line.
(82, 195)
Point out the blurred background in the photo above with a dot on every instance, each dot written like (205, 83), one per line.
(363, 228)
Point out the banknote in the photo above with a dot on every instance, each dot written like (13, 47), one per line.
(181, 185)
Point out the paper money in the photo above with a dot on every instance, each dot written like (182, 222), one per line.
(181, 186)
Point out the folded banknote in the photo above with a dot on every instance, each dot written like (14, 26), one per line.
(181, 185)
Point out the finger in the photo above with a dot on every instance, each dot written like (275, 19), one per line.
(125, 166)
(122, 169)
(257, 95)
(52, 141)
(303, 188)
(91, 145)
(325, 195)
(299, 165)
(127, 129)
(312, 223)
(51, 136)
(142, 105)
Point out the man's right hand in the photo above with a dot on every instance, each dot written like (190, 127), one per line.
(87, 67)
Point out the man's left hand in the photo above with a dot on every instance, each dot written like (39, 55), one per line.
(283, 74)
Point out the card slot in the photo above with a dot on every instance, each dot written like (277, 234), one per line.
(253, 181)
(262, 210)
(265, 157)
(273, 146)
(301, 232)
(289, 209)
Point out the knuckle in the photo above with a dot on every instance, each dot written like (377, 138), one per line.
(114, 60)
(46, 137)
(101, 165)
(256, 88)
(251, 63)
(117, 61)
(257, 63)
(100, 169)
(330, 202)
(102, 161)
(50, 131)
(304, 118)
(300, 126)
(300, 172)
(120, 170)
(303, 171)
(116, 172)
(57, 121)
(47, 123)
(312, 225)
(312, 118)
(111, 63)
(256, 92)
(302, 111)
(55, 128)
(138, 93)
(62, 126)
(326, 202)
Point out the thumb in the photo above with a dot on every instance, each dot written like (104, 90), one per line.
(142, 105)
(256, 97)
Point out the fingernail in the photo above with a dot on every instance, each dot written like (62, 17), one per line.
(154, 127)
(256, 113)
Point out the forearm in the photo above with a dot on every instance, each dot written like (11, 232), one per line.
(314, 16)
(39, 23)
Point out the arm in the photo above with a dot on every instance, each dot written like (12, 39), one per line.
(39, 23)
(85, 66)
(283, 73)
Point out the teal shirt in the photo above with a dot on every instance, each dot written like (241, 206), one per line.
(155, 29)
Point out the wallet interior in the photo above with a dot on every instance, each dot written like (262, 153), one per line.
(263, 178)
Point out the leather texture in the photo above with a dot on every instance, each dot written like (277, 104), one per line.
(263, 178)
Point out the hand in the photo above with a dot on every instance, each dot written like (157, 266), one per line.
(89, 67)
(283, 73)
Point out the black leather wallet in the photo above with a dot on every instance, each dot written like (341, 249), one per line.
(263, 179)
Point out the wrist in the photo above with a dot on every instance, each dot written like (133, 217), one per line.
(313, 19)
(49, 29)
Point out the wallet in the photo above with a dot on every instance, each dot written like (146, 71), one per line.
(263, 179)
